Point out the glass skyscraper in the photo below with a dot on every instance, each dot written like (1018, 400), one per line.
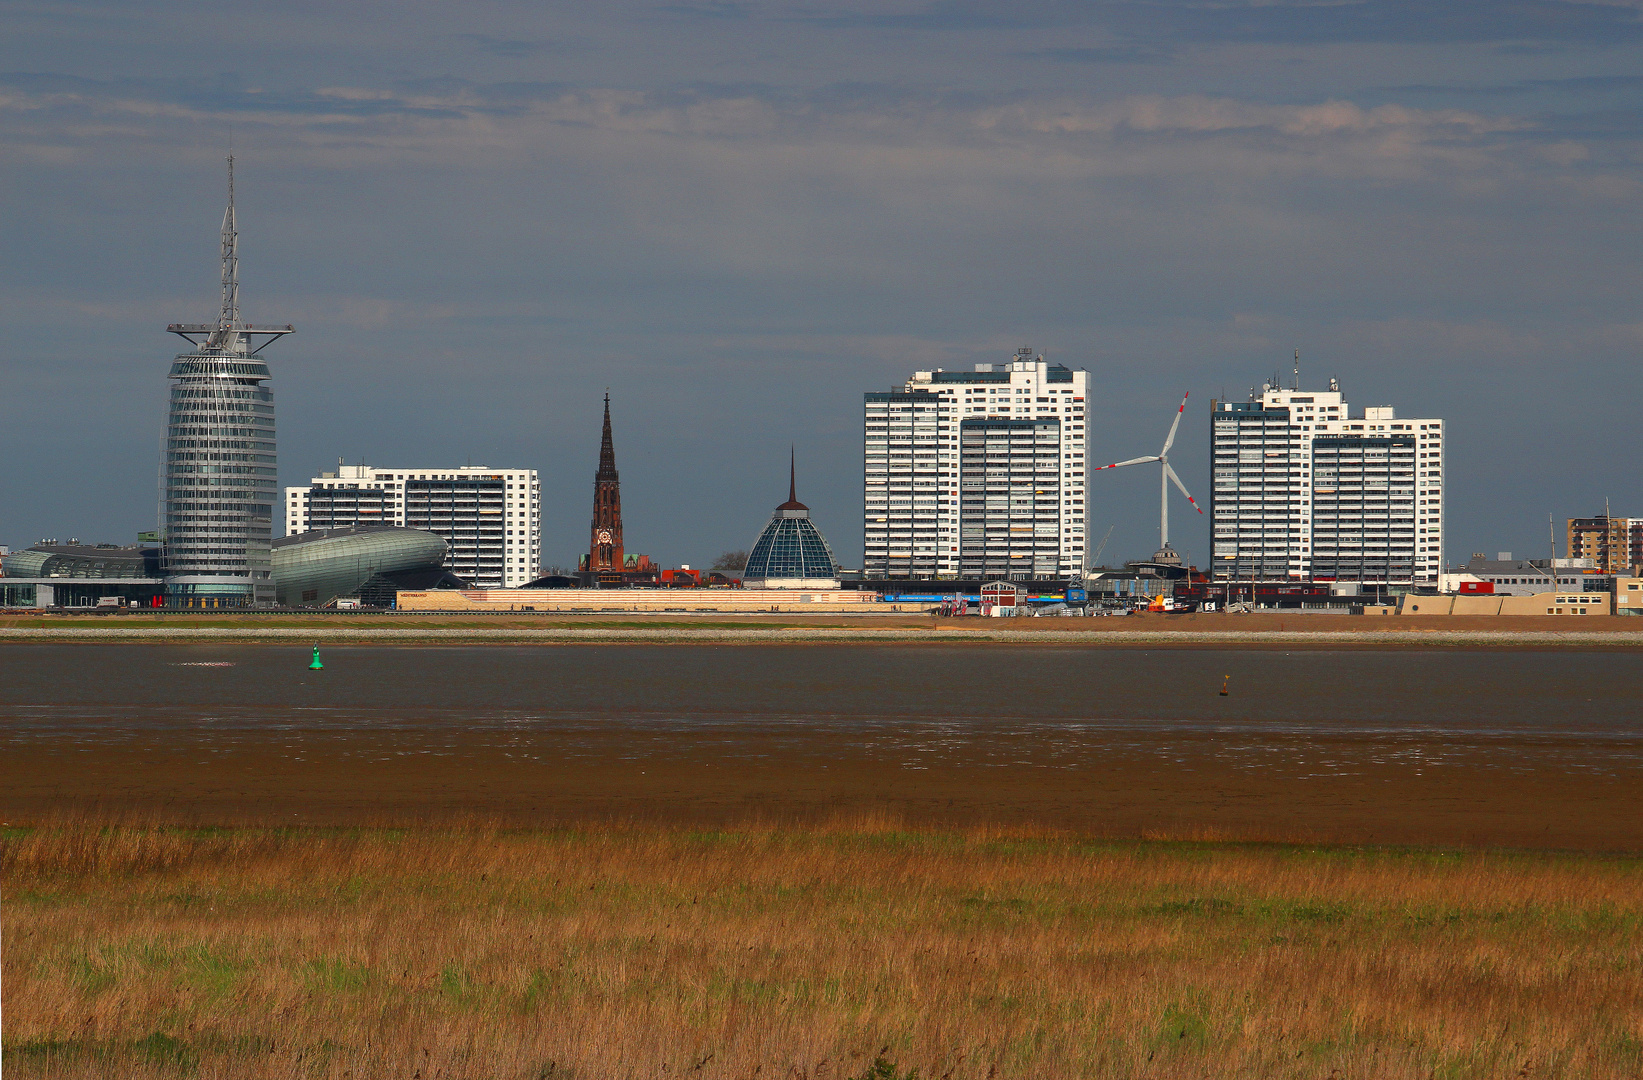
(218, 476)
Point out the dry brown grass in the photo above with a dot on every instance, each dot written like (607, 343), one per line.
(615, 951)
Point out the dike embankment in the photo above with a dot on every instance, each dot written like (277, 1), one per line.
(1142, 631)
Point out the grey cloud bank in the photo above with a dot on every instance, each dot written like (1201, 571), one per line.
(739, 217)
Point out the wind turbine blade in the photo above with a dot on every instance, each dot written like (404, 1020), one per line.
(1177, 481)
(1131, 461)
(1169, 442)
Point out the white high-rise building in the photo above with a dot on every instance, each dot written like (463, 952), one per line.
(491, 518)
(1304, 490)
(975, 474)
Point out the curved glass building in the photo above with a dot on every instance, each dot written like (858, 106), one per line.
(791, 548)
(314, 569)
(218, 474)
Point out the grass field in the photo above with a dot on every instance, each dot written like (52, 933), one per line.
(836, 952)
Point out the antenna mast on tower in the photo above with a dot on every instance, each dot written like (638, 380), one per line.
(225, 335)
(229, 334)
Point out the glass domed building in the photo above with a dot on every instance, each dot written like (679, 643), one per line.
(791, 553)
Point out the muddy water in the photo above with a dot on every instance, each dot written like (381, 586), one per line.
(1408, 746)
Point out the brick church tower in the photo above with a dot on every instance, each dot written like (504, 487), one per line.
(605, 547)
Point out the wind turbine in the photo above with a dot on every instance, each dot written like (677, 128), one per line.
(1165, 553)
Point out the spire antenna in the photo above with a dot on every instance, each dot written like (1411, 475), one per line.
(793, 475)
(228, 319)
(228, 333)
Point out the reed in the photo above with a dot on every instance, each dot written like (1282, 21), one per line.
(856, 950)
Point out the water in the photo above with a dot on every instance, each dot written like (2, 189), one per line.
(1304, 712)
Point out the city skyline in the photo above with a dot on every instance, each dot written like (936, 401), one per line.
(745, 214)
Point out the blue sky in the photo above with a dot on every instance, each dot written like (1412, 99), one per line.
(739, 216)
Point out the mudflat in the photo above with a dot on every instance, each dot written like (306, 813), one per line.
(1453, 747)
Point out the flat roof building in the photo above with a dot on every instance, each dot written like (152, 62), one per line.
(1304, 490)
(50, 574)
(489, 518)
(977, 474)
(1614, 544)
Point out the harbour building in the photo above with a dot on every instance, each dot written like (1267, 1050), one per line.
(218, 477)
(1303, 489)
(490, 519)
(977, 474)
(791, 553)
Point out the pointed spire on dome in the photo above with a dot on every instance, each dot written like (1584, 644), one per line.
(791, 550)
(792, 502)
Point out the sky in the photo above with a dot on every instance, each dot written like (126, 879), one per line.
(739, 216)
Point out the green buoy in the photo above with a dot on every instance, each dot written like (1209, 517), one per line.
(316, 665)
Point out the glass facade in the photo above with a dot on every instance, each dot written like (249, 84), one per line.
(791, 547)
(313, 569)
(219, 480)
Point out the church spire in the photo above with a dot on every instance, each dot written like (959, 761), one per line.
(605, 552)
(607, 449)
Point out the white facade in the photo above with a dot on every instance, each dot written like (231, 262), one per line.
(977, 473)
(491, 518)
(1304, 490)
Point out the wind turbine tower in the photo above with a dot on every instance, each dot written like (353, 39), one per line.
(1165, 553)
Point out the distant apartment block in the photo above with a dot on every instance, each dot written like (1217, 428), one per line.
(1614, 544)
(1304, 490)
(977, 473)
(491, 518)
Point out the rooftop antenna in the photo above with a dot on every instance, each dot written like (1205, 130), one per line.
(1297, 369)
(1551, 535)
(228, 333)
(228, 317)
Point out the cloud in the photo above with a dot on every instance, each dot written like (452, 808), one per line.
(511, 48)
(1105, 54)
(1302, 22)
(710, 9)
(509, 118)
(742, 216)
